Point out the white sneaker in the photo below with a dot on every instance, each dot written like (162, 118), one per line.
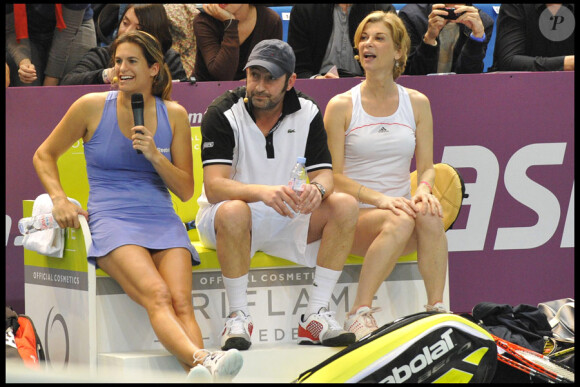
(362, 322)
(222, 365)
(199, 374)
(237, 331)
(322, 328)
(438, 307)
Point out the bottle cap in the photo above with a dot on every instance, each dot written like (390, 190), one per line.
(301, 160)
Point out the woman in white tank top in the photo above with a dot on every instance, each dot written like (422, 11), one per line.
(374, 130)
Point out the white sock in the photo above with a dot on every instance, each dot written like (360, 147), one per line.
(236, 291)
(324, 282)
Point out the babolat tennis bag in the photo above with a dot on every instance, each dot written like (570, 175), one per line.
(427, 347)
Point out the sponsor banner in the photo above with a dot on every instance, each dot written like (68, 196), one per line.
(276, 311)
(61, 320)
(55, 278)
(272, 277)
(123, 325)
(276, 299)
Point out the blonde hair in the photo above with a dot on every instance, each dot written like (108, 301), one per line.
(162, 82)
(398, 33)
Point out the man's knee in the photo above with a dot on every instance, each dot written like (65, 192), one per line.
(233, 215)
(344, 208)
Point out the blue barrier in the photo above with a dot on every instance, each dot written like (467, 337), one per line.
(284, 12)
(492, 10)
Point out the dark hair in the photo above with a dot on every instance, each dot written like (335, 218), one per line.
(152, 19)
(151, 49)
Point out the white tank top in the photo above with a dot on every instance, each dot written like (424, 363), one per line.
(378, 150)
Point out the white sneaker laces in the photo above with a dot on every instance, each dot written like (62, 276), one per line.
(236, 324)
(367, 318)
(328, 316)
(201, 359)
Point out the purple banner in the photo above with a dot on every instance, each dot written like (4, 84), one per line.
(511, 135)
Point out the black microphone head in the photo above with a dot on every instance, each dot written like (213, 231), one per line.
(137, 101)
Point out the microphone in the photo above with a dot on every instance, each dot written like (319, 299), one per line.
(137, 104)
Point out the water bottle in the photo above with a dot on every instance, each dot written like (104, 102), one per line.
(298, 176)
(37, 223)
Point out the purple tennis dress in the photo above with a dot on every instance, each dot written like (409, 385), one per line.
(128, 201)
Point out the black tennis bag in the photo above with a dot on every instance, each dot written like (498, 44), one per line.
(427, 347)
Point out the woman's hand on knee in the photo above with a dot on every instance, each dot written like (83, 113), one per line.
(398, 205)
(427, 202)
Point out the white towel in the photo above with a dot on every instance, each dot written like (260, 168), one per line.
(46, 242)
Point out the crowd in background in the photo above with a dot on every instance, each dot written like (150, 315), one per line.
(68, 44)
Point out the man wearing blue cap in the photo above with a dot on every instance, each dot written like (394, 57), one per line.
(251, 138)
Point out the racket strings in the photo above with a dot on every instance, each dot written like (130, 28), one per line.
(530, 371)
(547, 364)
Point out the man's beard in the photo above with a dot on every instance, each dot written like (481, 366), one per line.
(267, 103)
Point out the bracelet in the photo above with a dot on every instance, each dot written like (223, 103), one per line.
(229, 24)
(481, 40)
(427, 184)
(358, 194)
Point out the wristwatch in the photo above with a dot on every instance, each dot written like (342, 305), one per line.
(320, 188)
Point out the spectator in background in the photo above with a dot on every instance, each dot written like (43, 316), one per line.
(7, 75)
(534, 37)
(46, 41)
(97, 67)
(442, 45)
(226, 34)
(107, 18)
(322, 36)
(181, 17)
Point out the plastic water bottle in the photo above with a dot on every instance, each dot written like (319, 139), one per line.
(298, 176)
(37, 223)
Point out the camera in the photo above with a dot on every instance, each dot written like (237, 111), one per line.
(451, 15)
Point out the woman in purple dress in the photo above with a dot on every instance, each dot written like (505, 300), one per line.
(137, 238)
